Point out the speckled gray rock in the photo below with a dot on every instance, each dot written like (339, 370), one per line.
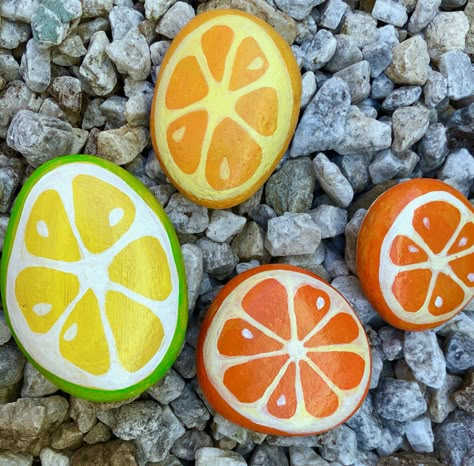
(425, 11)
(5, 333)
(291, 188)
(215, 457)
(402, 97)
(385, 166)
(9, 458)
(249, 244)
(459, 352)
(11, 173)
(332, 13)
(409, 162)
(390, 442)
(409, 126)
(322, 125)
(154, 9)
(330, 220)
(69, 53)
(18, 10)
(456, 67)
(35, 384)
(435, 89)
(363, 135)
(168, 388)
(38, 137)
(390, 11)
(305, 29)
(185, 364)
(292, 234)
(379, 56)
(83, 412)
(357, 78)
(113, 109)
(297, 9)
(382, 86)
(309, 86)
(12, 34)
(399, 400)
(131, 55)
(186, 446)
(66, 436)
(339, 444)
(392, 342)
(454, 440)
(219, 260)
(459, 166)
(305, 456)
(193, 264)
(174, 19)
(433, 148)
(332, 181)
(68, 93)
(96, 69)
(441, 401)
(319, 50)
(267, 454)
(355, 168)
(347, 53)
(420, 434)
(11, 364)
(361, 26)
(190, 410)
(352, 233)
(9, 67)
(98, 434)
(35, 67)
(446, 32)
(410, 62)
(50, 457)
(223, 427)
(122, 19)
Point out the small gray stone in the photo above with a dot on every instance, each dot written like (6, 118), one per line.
(50, 457)
(302, 441)
(425, 11)
(216, 457)
(435, 90)
(311, 262)
(35, 68)
(392, 342)
(68, 93)
(221, 427)
(244, 266)
(339, 444)
(334, 264)
(137, 110)
(297, 9)
(454, 440)
(332, 13)
(305, 456)
(67, 436)
(11, 364)
(347, 53)
(385, 166)
(441, 402)
(319, 50)
(187, 445)
(305, 29)
(38, 137)
(5, 333)
(379, 56)
(433, 148)
(361, 26)
(390, 442)
(69, 53)
(249, 243)
(87, 29)
(122, 19)
(410, 62)
(420, 434)
(96, 69)
(267, 454)
(154, 9)
(9, 458)
(185, 364)
(193, 265)
(9, 68)
(357, 78)
(186, 216)
(459, 166)
(131, 55)
(382, 86)
(94, 8)
(18, 10)
(390, 11)
(399, 400)
(447, 31)
(309, 86)
(389, 35)
(363, 136)
(409, 126)
(98, 434)
(402, 97)
(292, 234)
(332, 181)
(291, 188)
(11, 173)
(93, 116)
(459, 352)
(190, 409)
(330, 220)
(322, 125)
(12, 34)
(262, 213)
(83, 412)
(456, 67)
(219, 260)
(114, 110)
(175, 19)
(352, 233)
(168, 388)
(35, 384)
(355, 168)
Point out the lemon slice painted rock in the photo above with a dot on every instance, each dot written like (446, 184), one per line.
(93, 281)
(225, 107)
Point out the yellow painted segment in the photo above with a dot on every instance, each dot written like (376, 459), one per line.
(143, 267)
(43, 294)
(103, 212)
(138, 332)
(82, 340)
(48, 232)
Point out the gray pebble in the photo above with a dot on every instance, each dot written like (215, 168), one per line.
(35, 68)
(122, 19)
(379, 56)
(389, 35)
(425, 11)
(192, 441)
(339, 444)
(309, 86)
(261, 214)
(456, 67)
(319, 50)
(355, 168)
(222, 427)
(18, 10)
(409, 126)
(305, 29)
(185, 364)
(223, 225)
(441, 400)
(352, 233)
(459, 166)
(420, 434)
(5, 333)
(249, 243)
(361, 26)
(186, 216)
(216, 456)
(9, 68)
(459, 352)
(332, 13)
(433, 148)
(330, 220)
(454, 440)
(347, 53)
(334, 264)
(11, 173)
(68, 93)
(35, 384)
(402, 97)
(390, 11)
(11, 364)
(297, 9)
(392, 342)
(175, 19)
(385, 166)
(190, 410)
(382, 86)
(390, 442)
(218, 258)
(435, 90)
(12, 34)
(168, 388)
(305, 456)
(357, 77)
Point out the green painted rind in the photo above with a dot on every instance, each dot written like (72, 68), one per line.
(177, 342)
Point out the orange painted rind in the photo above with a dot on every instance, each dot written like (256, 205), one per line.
(415, 254)
(282, 352)
(225, 107)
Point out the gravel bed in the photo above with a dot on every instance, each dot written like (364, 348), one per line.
(388, 94)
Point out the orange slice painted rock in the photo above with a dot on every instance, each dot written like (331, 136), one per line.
(282, 352)
(415, 254)
(225, 107)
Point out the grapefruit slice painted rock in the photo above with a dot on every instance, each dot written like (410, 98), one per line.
(282, 352)
(415, 254)
(225, 107)
(93, 283)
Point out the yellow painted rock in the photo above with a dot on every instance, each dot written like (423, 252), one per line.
(93, 282)
(225, 107)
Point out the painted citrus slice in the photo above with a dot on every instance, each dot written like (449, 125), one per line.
(225, 107)
(282, 352)
(92, 269)
(415, 254)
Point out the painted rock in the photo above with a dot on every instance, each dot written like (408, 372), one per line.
(225, 107)
(415, 254)
(93, 282)
(282, 352)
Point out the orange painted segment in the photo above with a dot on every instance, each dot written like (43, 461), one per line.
(311, 305)
(343, 368)
(341, 329)
(436, 223)
(405, 251)
(250, 64)
(261, 372)
(233, 156)
(465, 239)
(411, 287)
(216, 44)
(282, 402)
(267, 303)
(187, 84)
(319, 399)
(259, 109)
(464, 269)
(446, 296)
(185, 137)
(240, 338)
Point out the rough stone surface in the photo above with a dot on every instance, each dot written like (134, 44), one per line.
(357, 78)
(464, 397)
(35, 384)
(409, 126)
(456, 67)
(186, 216)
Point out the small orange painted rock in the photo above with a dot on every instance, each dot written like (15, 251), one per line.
(282, 352)
(415, 254)
(225, 107)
